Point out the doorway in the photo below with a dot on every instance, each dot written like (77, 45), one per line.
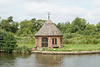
(44, 42)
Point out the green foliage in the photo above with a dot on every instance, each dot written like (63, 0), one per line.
(25, 40)
(2, 36)
(74, 28)
(10, 43)
(29, 27)
(78, 24)
(9, 25)
(64, 27)
(80, 32)
(10, 19)
(81, 39)
(23, 49)
(38, 24)
(90, 29)
(14, 27)
(5, 25)
(7, 41)
(76, 32)
(98, 27)
(27, 45)
(44, 49)
(70, 35)
(25, 28)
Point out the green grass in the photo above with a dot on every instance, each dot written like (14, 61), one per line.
(27, 45)
(25, 41)
(79, 47)
(69, 47)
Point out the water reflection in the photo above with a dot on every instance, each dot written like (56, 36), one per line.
(40, 60)
(9, 59)
(49, 60)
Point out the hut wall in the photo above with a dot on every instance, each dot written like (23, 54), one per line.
(36, 41)
(49, 42)
(58, 41)
(39, 42)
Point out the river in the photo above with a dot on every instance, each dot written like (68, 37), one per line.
(40, 60)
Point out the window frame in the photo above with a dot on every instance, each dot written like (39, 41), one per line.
(54, 41)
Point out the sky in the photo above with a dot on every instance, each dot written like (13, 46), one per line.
(61, 10)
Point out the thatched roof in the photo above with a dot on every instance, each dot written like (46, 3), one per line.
(49, 29)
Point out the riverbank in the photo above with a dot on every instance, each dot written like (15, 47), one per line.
(68, 48)
(66, 53)
(75, 47)
(71, 49)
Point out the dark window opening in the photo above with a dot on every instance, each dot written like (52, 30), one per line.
(44, 42)
(54, 41)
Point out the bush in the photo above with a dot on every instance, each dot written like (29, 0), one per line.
(7, 41)
(95, 41)
(23, 49)
(81, 39)
(2, 36)
(69, 35)
(25, 40)
(69, 42)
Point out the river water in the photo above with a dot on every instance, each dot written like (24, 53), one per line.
(40, 60)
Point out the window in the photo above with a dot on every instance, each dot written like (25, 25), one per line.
(54, 41)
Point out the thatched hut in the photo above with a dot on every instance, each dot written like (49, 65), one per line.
(48, 36)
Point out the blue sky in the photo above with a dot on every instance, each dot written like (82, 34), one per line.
(61, 10)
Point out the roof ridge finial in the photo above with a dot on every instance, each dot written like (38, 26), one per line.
(49, 15)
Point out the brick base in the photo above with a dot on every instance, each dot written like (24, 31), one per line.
(38, 41)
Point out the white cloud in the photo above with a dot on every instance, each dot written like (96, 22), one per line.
(59, 13)
(96, 12)
(95, 3)
(7, 3)
(36, 8)
(7, 6)
(61, 10)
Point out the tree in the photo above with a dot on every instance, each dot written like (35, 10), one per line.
(5, 25)
(25, 28)
(79, 24)
(10, 19)
(64, 27)
(38, 24)
(29, 27)
(74, 28)
(90, 29)
(14, 27)
(9, 25)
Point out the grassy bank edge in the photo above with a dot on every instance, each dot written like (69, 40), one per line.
(75, 47)
(68, 47)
